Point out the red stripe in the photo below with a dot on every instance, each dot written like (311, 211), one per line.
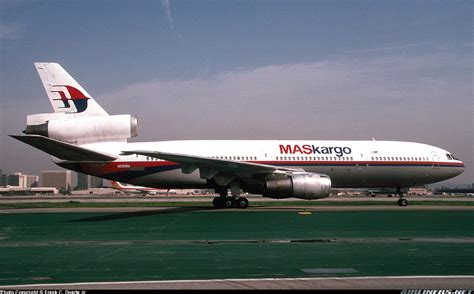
(118, 166)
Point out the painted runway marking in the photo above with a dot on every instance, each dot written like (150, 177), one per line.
(329, 270)
(305, 213)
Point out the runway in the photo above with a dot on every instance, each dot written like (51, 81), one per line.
(352, 283)
(199, 247)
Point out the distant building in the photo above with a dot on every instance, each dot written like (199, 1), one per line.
(3, 179)
(85, 182)
(59, 179)
(16, 191)
(96, 182)
(22, 181)
(82, 182)
(31, 181)
(13, 180)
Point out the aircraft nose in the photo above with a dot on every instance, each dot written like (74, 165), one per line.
(461, 168)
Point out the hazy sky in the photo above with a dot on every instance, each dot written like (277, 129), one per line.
(393, 70)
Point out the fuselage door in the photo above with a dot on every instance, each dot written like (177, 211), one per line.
(435, 159)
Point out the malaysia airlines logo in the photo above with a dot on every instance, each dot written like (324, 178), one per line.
(75, 96)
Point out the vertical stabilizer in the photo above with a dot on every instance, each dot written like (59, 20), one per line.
(64, 93)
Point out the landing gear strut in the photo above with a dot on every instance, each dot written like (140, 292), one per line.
(224, 201)
(402, 201)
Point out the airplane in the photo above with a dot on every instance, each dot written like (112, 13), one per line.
(139, 189)
(81, 136)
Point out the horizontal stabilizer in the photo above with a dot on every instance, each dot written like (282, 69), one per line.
(61, 150)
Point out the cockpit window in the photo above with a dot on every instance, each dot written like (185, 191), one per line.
(451, 157)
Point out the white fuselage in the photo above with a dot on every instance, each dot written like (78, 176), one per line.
(349, 164)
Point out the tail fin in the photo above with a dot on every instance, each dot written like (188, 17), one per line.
(64, 93)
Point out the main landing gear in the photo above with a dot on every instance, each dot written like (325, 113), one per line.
(224, 201)
(402, 201)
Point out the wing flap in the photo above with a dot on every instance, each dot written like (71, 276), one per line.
(62, 150)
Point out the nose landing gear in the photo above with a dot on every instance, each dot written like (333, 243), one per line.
(402, 201)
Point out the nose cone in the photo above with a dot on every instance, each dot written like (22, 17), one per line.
(460, 168)
(456, 168)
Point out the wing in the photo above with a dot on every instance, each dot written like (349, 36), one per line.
(222, 171)
(62, 150)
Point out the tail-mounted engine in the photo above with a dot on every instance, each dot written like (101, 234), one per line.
(82, 130)
(302, 185)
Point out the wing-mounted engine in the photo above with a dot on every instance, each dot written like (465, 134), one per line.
(81, 130)
(299, 185)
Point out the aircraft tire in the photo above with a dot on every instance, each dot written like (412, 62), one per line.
(402, 202)
(229, 202)
(242, 202)
(218, 202)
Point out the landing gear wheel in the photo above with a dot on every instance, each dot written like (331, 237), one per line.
(242, 202)
(217, 202)
(229, 202)
(402, 202)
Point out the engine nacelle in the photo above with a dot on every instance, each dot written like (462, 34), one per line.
(303, 186)
(87, 129)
